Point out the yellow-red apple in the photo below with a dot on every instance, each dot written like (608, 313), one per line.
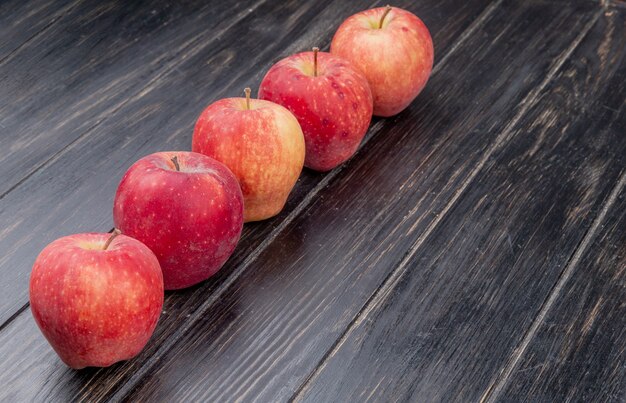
(393, 49)
(262, 144)
(96, 297)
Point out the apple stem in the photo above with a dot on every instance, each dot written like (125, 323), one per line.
(115, 233)
(315, 50)
(247, 92)
(387, 10)
(175, 161)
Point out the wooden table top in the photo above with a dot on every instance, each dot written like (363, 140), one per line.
(473, 249)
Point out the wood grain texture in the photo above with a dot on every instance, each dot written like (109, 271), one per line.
(446, 323)
(268, 331)
(24, 21)
(47, 377)
(57, 88)
(579, 352)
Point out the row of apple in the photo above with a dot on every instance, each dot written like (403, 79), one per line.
(179, 215)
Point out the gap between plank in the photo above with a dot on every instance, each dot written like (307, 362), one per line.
(14, 316)
(140, 92)
(37, 34)
(121, 393)
(502, 379)
(394, 277)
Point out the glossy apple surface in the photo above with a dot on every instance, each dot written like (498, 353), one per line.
(396, 58)
(331, 100)
(187, 208)
(96, 306)
(261, 143)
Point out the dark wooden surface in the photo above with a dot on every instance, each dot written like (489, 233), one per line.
(88, 64)
(578, 350)
(473, 249)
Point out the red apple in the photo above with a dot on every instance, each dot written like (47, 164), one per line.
(187, 208)
(394, 50)
(331, 100)
(262, 144)
(96, 297)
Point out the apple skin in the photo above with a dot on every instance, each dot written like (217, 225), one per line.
(191, 219)
(263, 146)
(333, 108)
(94, 306)
(397, 59)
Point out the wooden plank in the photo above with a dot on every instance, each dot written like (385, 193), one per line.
(85, 67)
(24, 21)
(579, 350)
(445, 323)
(38, 374)
(266, 333)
